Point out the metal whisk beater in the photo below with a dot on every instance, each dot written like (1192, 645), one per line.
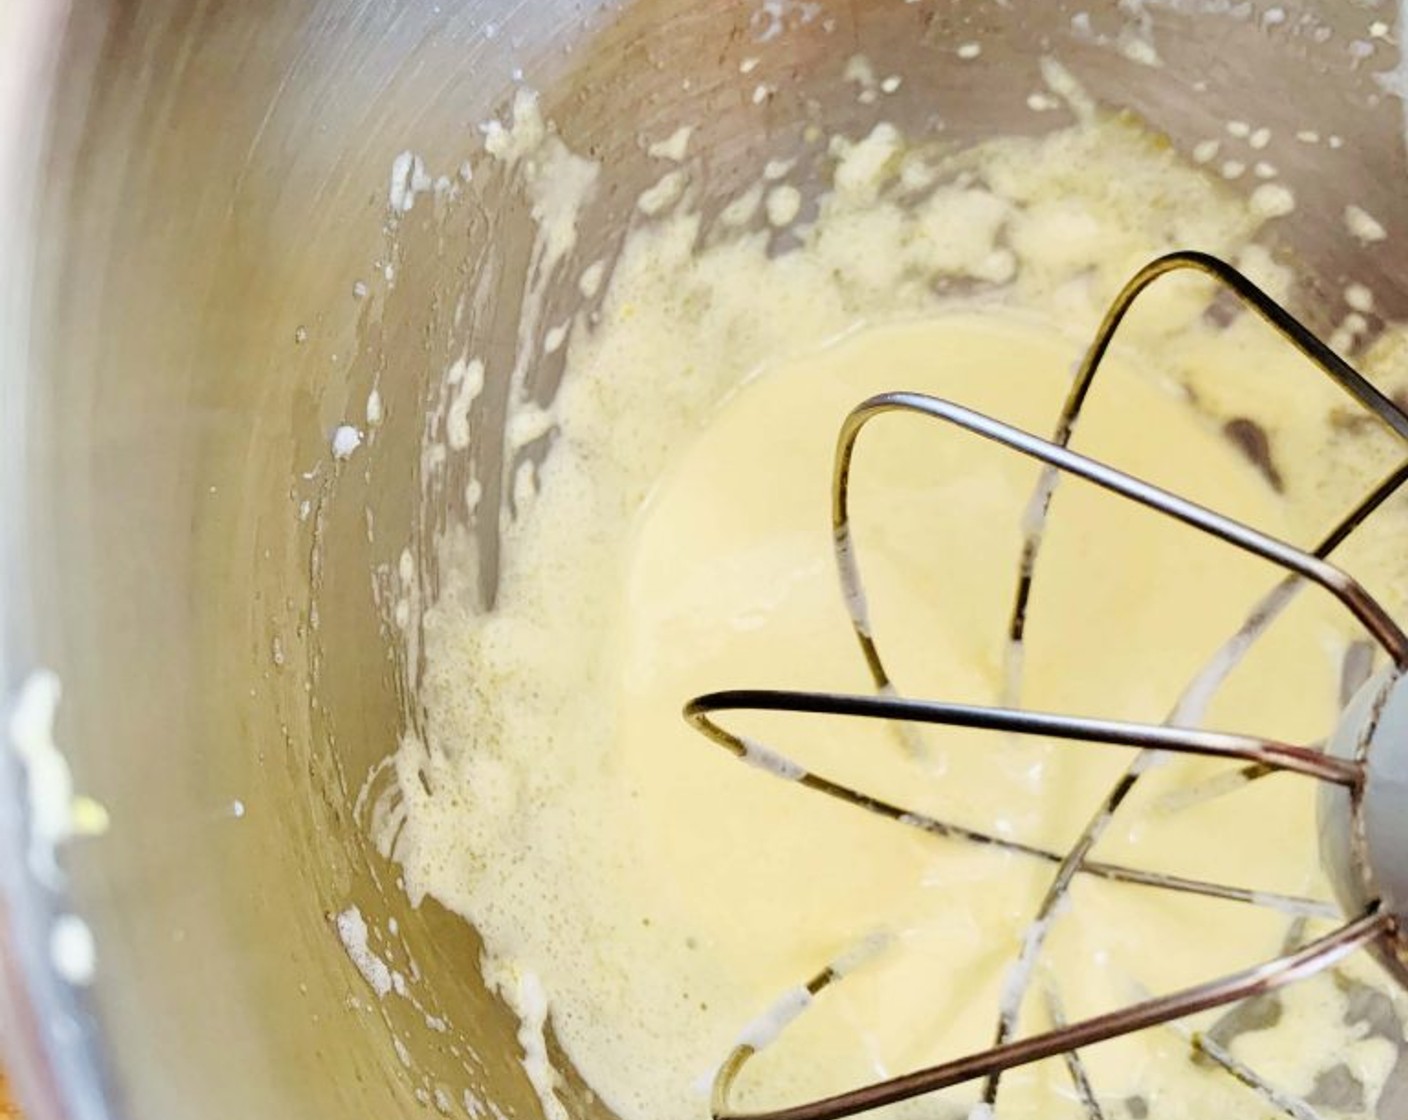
(1364, 770)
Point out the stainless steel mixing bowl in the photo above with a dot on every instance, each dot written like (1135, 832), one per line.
(189, 191)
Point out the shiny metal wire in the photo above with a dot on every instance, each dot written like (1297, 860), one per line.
(1177, 735)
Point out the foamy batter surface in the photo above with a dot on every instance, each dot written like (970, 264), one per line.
(643, 895)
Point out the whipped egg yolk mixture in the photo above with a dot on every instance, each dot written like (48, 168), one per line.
(643, 897)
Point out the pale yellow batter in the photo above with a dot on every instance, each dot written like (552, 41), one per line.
(732, 582)
(646, 896)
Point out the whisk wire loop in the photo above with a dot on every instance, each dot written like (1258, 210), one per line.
(1179, 734)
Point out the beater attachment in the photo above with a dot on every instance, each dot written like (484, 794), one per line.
(1364, 771)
